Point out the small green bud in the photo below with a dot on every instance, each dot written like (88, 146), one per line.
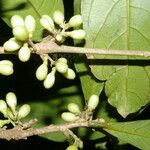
(30, 24)
(12, 45)
(41, 72)
(49, 80)
(62, 60)
(6, 70)
(17, 20)
(11, 100)
(73, 108)
(93, 102)
(47, 22)
(72, 147)
(70, 74)
(75, 21)
(6, 62)
(58, 17)
(60, 38)
(69, 117)
(61, 67)
(20, 33)
(24, 110)
(10, 114)
(24, 54)
(77, 34)
(4, 122)
(3, 107)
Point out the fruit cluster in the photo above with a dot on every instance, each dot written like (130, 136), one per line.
(60, 34)
(22, 31)
(60, 65)
(74, 113)
(8, 109)
(74, 110)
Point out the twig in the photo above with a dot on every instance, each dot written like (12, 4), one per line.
(28, 124)
(51, 47)
(17, 133)
(47, 47)
(77, 140)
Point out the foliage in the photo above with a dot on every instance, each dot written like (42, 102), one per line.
(117, 27)
(122, 83)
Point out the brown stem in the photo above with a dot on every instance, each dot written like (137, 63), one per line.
(50, 47)
(46, 47)
(17, 133)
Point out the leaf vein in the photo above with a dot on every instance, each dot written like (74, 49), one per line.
(146, 39)
(107, 15)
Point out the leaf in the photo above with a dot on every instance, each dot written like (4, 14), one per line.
(30, 7)
(119, 24)
(136, 133)
(77, 6)
(89, 84)
(126, 91)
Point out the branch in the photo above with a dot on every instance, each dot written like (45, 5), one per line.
(19, 132)
(47, 47)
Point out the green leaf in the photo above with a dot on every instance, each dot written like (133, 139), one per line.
(90, 85)
(77, 6)
(107, 112)
(119, 24)
(126, 89)
(30, 7)
(136, 133)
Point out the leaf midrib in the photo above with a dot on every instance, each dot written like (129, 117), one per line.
(128, 47)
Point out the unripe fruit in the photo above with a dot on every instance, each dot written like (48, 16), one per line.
(17, 20)
(6, 62)
(24, 54)
(61, 67)
(70, 74)
(12, 45)
(93, 102)
(6, 70)
(11, 100)
(75, 21)
(49, 80)
(69, 117)
(73, 108)
(77, 34)
(60, 38)
(24, 110)
(4, 122)
(58, 17)
(62, 60)
(20, 33)
(10, 114)
(30, 24)
(3, 107)
(47, 22)
(41, 72)
(72, 147)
